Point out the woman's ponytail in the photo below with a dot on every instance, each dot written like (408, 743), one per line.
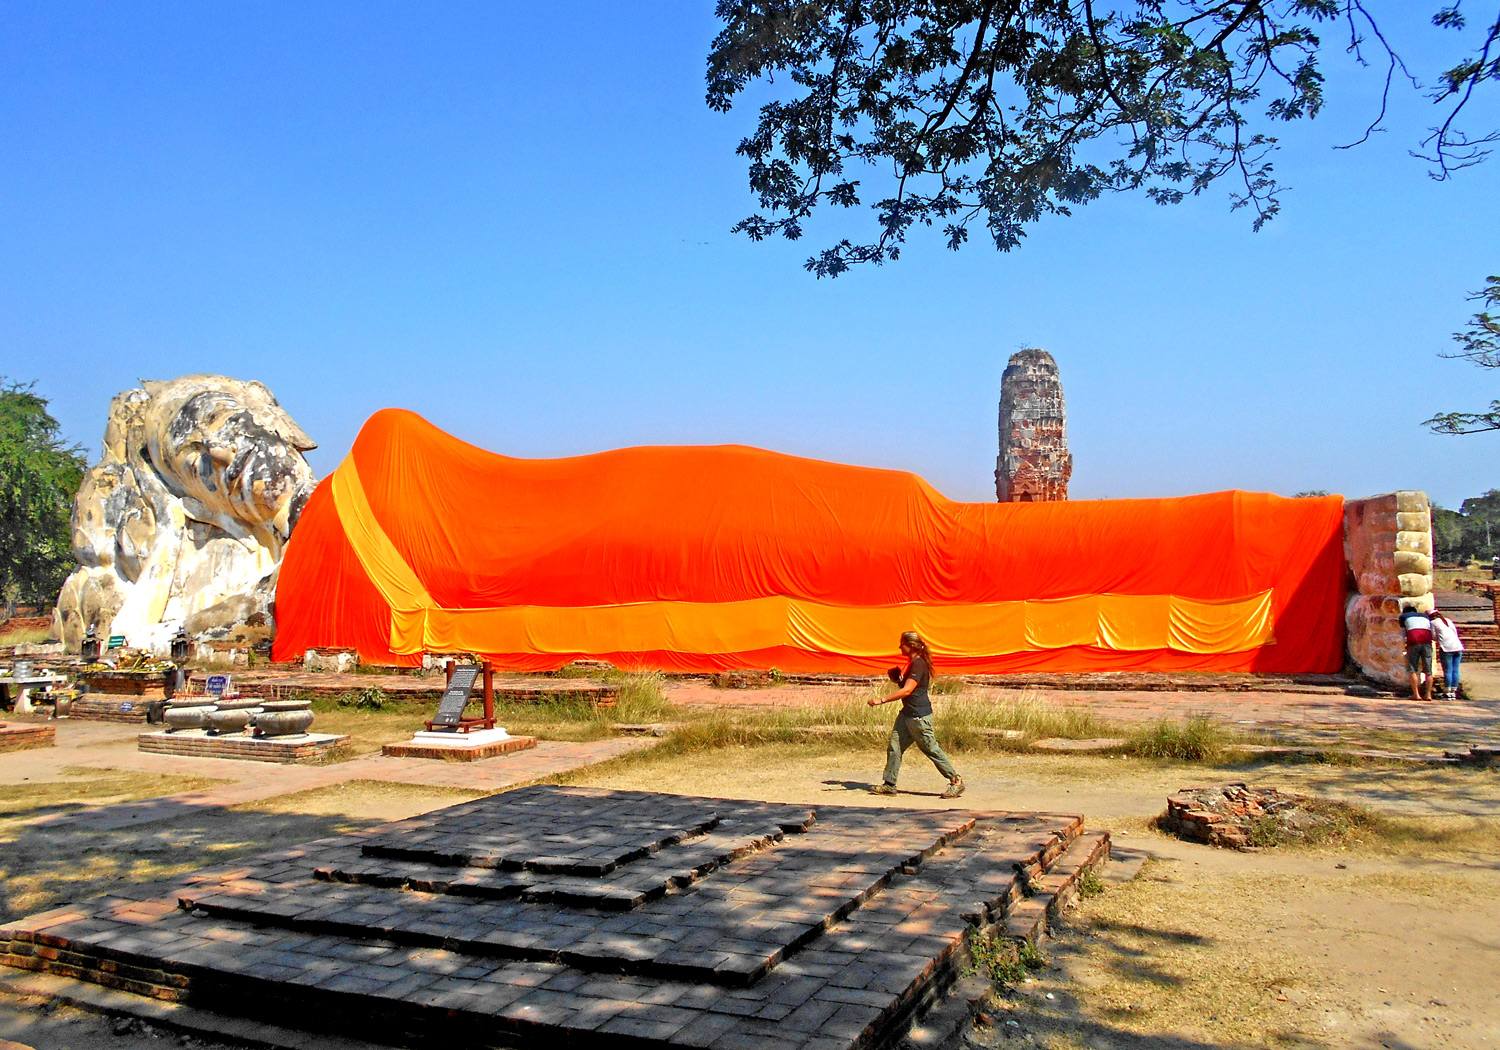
(913, 641)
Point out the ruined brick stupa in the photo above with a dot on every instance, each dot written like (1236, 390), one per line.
(1034, 463)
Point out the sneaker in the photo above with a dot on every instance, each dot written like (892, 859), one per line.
(884, 789)
(955, 788)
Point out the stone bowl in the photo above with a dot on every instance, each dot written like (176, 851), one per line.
(232, 719)
(188, 716)
(283, 718)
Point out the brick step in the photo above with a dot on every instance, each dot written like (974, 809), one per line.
(1026, 919)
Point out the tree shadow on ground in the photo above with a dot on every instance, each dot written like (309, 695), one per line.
(45, 865)
(1127, 951)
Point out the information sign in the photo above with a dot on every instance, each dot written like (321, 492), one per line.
(217, 684)
(450, 710)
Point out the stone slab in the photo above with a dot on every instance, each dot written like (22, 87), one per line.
(458, 752)
(454, 738)
(829, 937)
(22, 736)
(199, 743)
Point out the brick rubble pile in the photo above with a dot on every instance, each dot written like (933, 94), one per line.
(1225, 816)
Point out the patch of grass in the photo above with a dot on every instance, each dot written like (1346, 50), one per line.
(642, 698)
(946, 685)
(1005, 961)
(1197, 738)
(1090, 885)
(1346, 826)
(29, 636)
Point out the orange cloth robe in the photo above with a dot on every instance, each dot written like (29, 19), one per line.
(710, 558)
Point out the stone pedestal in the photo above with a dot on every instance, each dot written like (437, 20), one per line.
(459, 747)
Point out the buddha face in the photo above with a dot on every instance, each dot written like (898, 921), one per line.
(230, 447)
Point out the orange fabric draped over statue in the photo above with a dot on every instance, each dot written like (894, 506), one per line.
(708, 558)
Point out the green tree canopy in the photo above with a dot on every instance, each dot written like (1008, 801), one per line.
(1472, 531)
(39, 476)
(999, 112)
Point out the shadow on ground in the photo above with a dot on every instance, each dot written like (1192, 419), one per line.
(48, 864)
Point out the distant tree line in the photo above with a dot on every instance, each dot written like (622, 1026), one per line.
(1472, 531)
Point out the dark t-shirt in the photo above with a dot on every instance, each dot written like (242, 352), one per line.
(917, 705)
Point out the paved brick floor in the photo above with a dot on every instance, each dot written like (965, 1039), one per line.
(786, 927)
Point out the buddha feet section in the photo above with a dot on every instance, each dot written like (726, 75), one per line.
(595, 915)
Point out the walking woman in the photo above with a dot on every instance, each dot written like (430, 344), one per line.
(914, 723)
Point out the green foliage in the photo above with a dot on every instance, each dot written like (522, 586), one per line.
(1479, 342)
(1004, 960)
(972, 112)
(1197, 738)
(39, 476)
(1472, 531)
(372, 699)
(1090, 885)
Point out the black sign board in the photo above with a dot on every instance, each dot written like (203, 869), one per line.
(451, 709)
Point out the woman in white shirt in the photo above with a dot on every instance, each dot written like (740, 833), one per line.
(1450, 648)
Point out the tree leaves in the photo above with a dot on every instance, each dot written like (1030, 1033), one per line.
(39, 477)
(1000, 112)
(1479, 343)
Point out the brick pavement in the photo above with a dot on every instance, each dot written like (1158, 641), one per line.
(804, 929)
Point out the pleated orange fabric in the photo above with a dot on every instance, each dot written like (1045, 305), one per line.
(710, 558)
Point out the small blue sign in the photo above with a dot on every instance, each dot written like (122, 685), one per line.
(217, 684)
(127, 705)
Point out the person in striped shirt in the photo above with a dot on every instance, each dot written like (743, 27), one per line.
(1417, 627)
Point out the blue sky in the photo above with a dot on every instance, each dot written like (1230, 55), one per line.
(514, 219)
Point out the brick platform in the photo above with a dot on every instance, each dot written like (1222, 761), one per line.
(20, 736)
(91, 707)
(450, 753)
(555, 916)
(198, 743)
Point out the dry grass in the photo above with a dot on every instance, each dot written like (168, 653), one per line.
(962, 723)
(30, 636)
(1197, 738)
(89, 787)
(1158, 957)
(365, 800)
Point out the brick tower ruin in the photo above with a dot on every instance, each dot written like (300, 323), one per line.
(1034, 463)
